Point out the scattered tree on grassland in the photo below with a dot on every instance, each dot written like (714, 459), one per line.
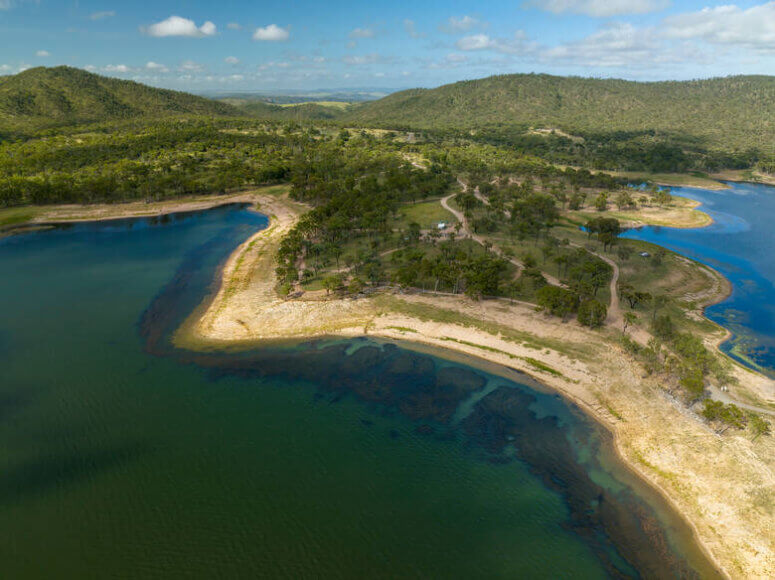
(592, 313)
(557, 301)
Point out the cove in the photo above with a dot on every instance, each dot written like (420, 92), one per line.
(121, 455)
(738, 245)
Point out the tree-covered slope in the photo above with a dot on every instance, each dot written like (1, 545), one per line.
(310, 111)
(42, 96)
(733, 114)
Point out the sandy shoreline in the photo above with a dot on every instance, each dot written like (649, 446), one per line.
(720, 485)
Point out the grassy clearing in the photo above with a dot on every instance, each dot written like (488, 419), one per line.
(680, 213)
(694, 179)
(426, 312)
(427, 213)
(339, 105)
(14, 216)
(536, 364)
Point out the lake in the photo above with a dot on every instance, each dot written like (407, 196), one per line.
(122, 456)
(738, 245)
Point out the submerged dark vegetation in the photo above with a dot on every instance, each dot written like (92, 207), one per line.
(503, 426)
(367, 188)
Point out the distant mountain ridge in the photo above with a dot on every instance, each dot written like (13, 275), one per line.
(733, 111)
(64, 94)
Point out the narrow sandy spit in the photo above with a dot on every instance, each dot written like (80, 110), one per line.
(724, 486)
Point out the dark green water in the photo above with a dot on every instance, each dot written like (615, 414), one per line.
(121, 456)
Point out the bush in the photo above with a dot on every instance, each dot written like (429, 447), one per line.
(592, 313)
(663, 327)
(692, 381)
(557, 301)
(728, 414)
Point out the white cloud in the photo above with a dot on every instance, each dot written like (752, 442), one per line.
(728, 25)
(456, 24)
(365, 59)
(177, 26)
(5, 4)
(190, 65)
(517, 44)
(362, 33)
(102, 15)
(150, 65)
(234, 26)
(411, 29)
(208, 28)
(455, 57)
(5, 68)
(475, 42)
(90, 67)
(452, 60)
(615, 45)
(272, 33)
(231, 60)
(117, 68)
(43, 53)
(601, 8)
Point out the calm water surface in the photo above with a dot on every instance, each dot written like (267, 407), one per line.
(121, 456)
(740, 245)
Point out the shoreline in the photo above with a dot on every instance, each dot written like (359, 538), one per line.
(289, 321)
(221, 322)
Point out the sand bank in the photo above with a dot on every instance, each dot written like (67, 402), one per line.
(723, 485)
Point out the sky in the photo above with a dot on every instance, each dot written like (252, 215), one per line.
(249, 45)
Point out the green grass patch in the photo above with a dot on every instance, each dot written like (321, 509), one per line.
(427, 213)
(426, 312)
(402, 329)
(536, 364)
(15, 216)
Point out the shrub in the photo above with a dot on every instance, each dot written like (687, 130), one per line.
(592, 313)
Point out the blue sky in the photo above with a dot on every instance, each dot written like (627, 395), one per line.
(303, 44)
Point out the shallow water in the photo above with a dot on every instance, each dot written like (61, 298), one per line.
(739, 245)
(122, 456)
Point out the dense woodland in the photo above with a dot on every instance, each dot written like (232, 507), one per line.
(732, 116)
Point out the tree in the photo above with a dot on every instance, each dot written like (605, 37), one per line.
(663, 196)
(592, 313)
(557, 301)
(624, 199)
(355, 286)
(601, 202)
(624, 252)
(482, 275)
(607, 230)
(332, 283)
(692, 381)
(633, 297)
(629, 318)
(663, 327)
(658, 301)
(759, 426)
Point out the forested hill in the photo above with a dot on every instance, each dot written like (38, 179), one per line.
(42, 96)
(311, 111)
(734, 113)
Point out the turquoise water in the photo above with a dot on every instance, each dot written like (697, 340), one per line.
(121, 456)
(739, 245)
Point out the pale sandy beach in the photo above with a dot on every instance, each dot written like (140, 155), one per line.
(724, 485)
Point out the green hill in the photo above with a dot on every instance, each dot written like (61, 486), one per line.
(62, 95)
(730, 114)
(307, 111)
